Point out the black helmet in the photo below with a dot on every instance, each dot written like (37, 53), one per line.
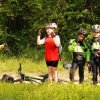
(82, 31)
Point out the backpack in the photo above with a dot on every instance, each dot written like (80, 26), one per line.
(60, 49)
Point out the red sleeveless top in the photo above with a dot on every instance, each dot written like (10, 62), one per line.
(51, 51)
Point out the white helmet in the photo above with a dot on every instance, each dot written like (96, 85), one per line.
(96, 28)
(51, 25)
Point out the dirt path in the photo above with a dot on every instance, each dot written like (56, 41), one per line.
(63, 76)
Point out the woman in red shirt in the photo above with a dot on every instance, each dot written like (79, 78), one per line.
(51, 43)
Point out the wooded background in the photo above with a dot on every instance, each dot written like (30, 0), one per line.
(21, 19)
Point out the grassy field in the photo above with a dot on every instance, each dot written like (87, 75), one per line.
(23, 91)
(28, 65)
(49, 92)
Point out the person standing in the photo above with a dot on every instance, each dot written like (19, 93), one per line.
(80, 54)
(94, 46)
(51, 45)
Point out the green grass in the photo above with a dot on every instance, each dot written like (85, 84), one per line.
(49, 92)
(12, 65)
(44, 91)
(28, 65)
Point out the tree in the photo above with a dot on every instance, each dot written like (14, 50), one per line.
(21, 19)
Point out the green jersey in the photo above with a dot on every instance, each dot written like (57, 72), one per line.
(94, 45)
(79, 47)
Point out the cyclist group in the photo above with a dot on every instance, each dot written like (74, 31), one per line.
(83, 53)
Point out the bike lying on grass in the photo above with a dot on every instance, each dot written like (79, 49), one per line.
(42, 78)
(24, 77)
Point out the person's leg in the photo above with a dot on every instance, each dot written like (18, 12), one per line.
(99, 65)
(72, 70)
(95, 63)
(50, 74)
(55, 74)
(81, 71)
(94, 74)
(99, 70)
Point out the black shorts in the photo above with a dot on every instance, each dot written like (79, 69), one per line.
(52, 63)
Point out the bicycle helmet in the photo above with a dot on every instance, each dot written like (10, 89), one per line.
(51, 25)
(82, 31)
(96, 28)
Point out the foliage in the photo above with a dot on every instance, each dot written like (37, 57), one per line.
(21, 19)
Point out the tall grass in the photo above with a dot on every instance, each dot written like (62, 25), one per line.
(68, 91)
(28, 65)
(49, 92)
